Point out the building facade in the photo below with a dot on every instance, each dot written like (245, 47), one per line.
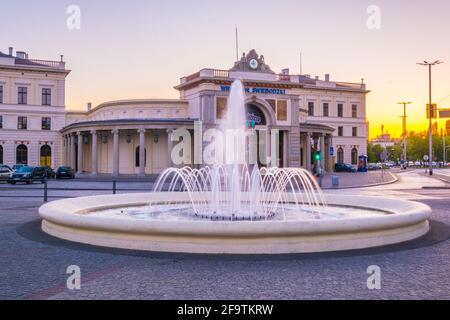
(32, 109)
(136, 136)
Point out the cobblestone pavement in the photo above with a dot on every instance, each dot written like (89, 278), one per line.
(33, 265)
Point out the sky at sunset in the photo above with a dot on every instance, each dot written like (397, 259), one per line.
(140, 49)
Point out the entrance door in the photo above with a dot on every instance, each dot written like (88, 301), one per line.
(46, 156)
(281, 150)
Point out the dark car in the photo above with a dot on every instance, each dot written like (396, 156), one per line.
(28, 175)
(65, 172)
(49, 172)
(344, 167)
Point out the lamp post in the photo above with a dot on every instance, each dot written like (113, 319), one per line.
(404, 130)
(430, 129)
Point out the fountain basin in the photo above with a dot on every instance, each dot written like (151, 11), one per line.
(75, 220)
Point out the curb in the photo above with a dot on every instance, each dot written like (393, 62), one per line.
(394, 180)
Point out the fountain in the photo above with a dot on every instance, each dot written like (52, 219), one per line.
(235, 207)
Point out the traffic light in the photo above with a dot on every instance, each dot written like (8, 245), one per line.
(432, 112)
(317, 156)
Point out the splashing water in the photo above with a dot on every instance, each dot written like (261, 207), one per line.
(235, 190)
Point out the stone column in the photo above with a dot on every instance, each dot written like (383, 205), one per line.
(169, 147)
(322, 151)
(308, 151)
(80, 153)
(94, 159)
(115, 159)
(141, 152)
(66, 148)
(72, 151)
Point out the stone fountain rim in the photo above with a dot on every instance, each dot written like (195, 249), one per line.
(74, 213)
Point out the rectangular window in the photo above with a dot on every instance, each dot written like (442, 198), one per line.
(1, 122)
(22, 95)
(281, 110)
(354, 131)
(354, 111)
(221, 107)
(1, 94)
(340, 110)
(340, 131)
(46, 97)
(325, 110)
(22, 123)
(46, 123)
(311, 109)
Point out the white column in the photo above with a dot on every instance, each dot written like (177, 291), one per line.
(80, 152)
(169, 147)
(115, 133)
(322, 151)
(308, 151)
(142, 152)
(94, 159)
(72, 151)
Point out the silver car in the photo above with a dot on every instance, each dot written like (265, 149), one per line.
(5, 173)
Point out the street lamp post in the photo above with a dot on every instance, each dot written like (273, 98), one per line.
(430, 127)
(404, 129)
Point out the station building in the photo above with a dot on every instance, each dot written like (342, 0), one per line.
(135, 136)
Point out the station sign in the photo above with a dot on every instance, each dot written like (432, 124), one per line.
(444, 113)
(256, 90)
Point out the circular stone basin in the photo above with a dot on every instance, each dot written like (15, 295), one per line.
(126, 221)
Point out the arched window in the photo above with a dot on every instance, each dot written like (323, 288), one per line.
(354, 156)
(22, 154)
(46, 156)
(1, 154)
(137, 157)
(340, 155)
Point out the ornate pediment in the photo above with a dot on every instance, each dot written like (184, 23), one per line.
(252, 62)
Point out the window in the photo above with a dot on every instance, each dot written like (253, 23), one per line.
(22, 154)
(46, 123)
(221, 107)
(1, 153)
(354, 156)
(311, 109)
(340, 131)
(354, 111)
(22, 95)
(325, 110)
(22, 123)
(340, 110)
(282, 110)
(1, 94)
(46, 97)
(340, 155)
(354, 132)
(1, 123)
(137, 157)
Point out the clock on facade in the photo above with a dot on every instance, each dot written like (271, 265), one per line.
(253, 64)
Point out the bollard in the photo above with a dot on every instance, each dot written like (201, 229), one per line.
(45, 190)
(335, 181)
(114, 187)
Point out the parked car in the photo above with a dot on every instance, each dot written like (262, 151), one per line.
(17, 166)
(344, 167)
(49, 172)
(28, 175)
(374, 166)
(5, 166)
(65, 172)
(5, 173)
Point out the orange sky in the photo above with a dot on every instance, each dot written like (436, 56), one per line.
(140, 49)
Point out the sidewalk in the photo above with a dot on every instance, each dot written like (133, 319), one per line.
(359, 179)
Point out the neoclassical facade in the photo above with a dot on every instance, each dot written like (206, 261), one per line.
(136, 136)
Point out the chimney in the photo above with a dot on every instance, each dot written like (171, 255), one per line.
(20, 54)
(285, 71)
(11, 51)
(89, 106)
(327, 77)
